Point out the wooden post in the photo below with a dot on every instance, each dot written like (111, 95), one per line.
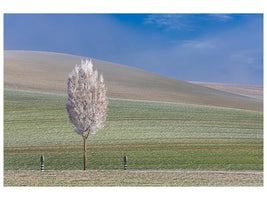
(84, 153)
(125, 162)
(42, 163)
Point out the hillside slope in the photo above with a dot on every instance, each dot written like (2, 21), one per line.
(48, 72)
(245, 90)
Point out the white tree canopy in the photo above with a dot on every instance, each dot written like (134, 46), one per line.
(87, 101)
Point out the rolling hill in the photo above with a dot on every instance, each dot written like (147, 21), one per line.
(245, 90)
(48, 72)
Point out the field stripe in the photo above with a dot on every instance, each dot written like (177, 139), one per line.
(149, 171)
(229, 121)
(180, 171)
(135, 147)
(138, 144)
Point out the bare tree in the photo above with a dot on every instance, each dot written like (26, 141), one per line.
(87, 101)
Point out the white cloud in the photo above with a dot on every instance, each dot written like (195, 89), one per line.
(169, 21)
(183, 21)
(199, 44)
(220, 17)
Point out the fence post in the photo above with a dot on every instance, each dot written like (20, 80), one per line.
(42, 163)
(125, 162)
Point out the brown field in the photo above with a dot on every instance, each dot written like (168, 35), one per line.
(131, 178)
(245, 90)
(48, 72)
(129, 147)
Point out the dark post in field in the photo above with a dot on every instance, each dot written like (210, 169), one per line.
(42, 163)
(125, 162)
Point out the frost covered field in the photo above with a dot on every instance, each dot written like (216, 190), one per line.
(131, 178)
(154, 136)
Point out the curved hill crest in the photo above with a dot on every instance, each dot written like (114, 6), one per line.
(48, 72)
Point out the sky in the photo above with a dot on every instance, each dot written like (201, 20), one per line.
(222, 48)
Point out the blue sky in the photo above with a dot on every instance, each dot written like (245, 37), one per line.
(225, 48)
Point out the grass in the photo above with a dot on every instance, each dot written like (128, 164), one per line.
(130, 178)
(154, 136)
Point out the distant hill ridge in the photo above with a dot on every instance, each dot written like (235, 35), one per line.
(48, 72)
(246, 90)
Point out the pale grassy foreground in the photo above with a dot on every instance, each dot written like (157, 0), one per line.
(131, 178)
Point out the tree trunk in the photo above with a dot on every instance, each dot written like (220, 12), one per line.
(84, 153)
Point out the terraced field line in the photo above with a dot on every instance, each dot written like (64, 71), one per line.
(180, 119)
(189, 171)
(153, 171)
(136, 144)
(129, 149)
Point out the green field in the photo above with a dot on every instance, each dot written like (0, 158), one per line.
(154, 136)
